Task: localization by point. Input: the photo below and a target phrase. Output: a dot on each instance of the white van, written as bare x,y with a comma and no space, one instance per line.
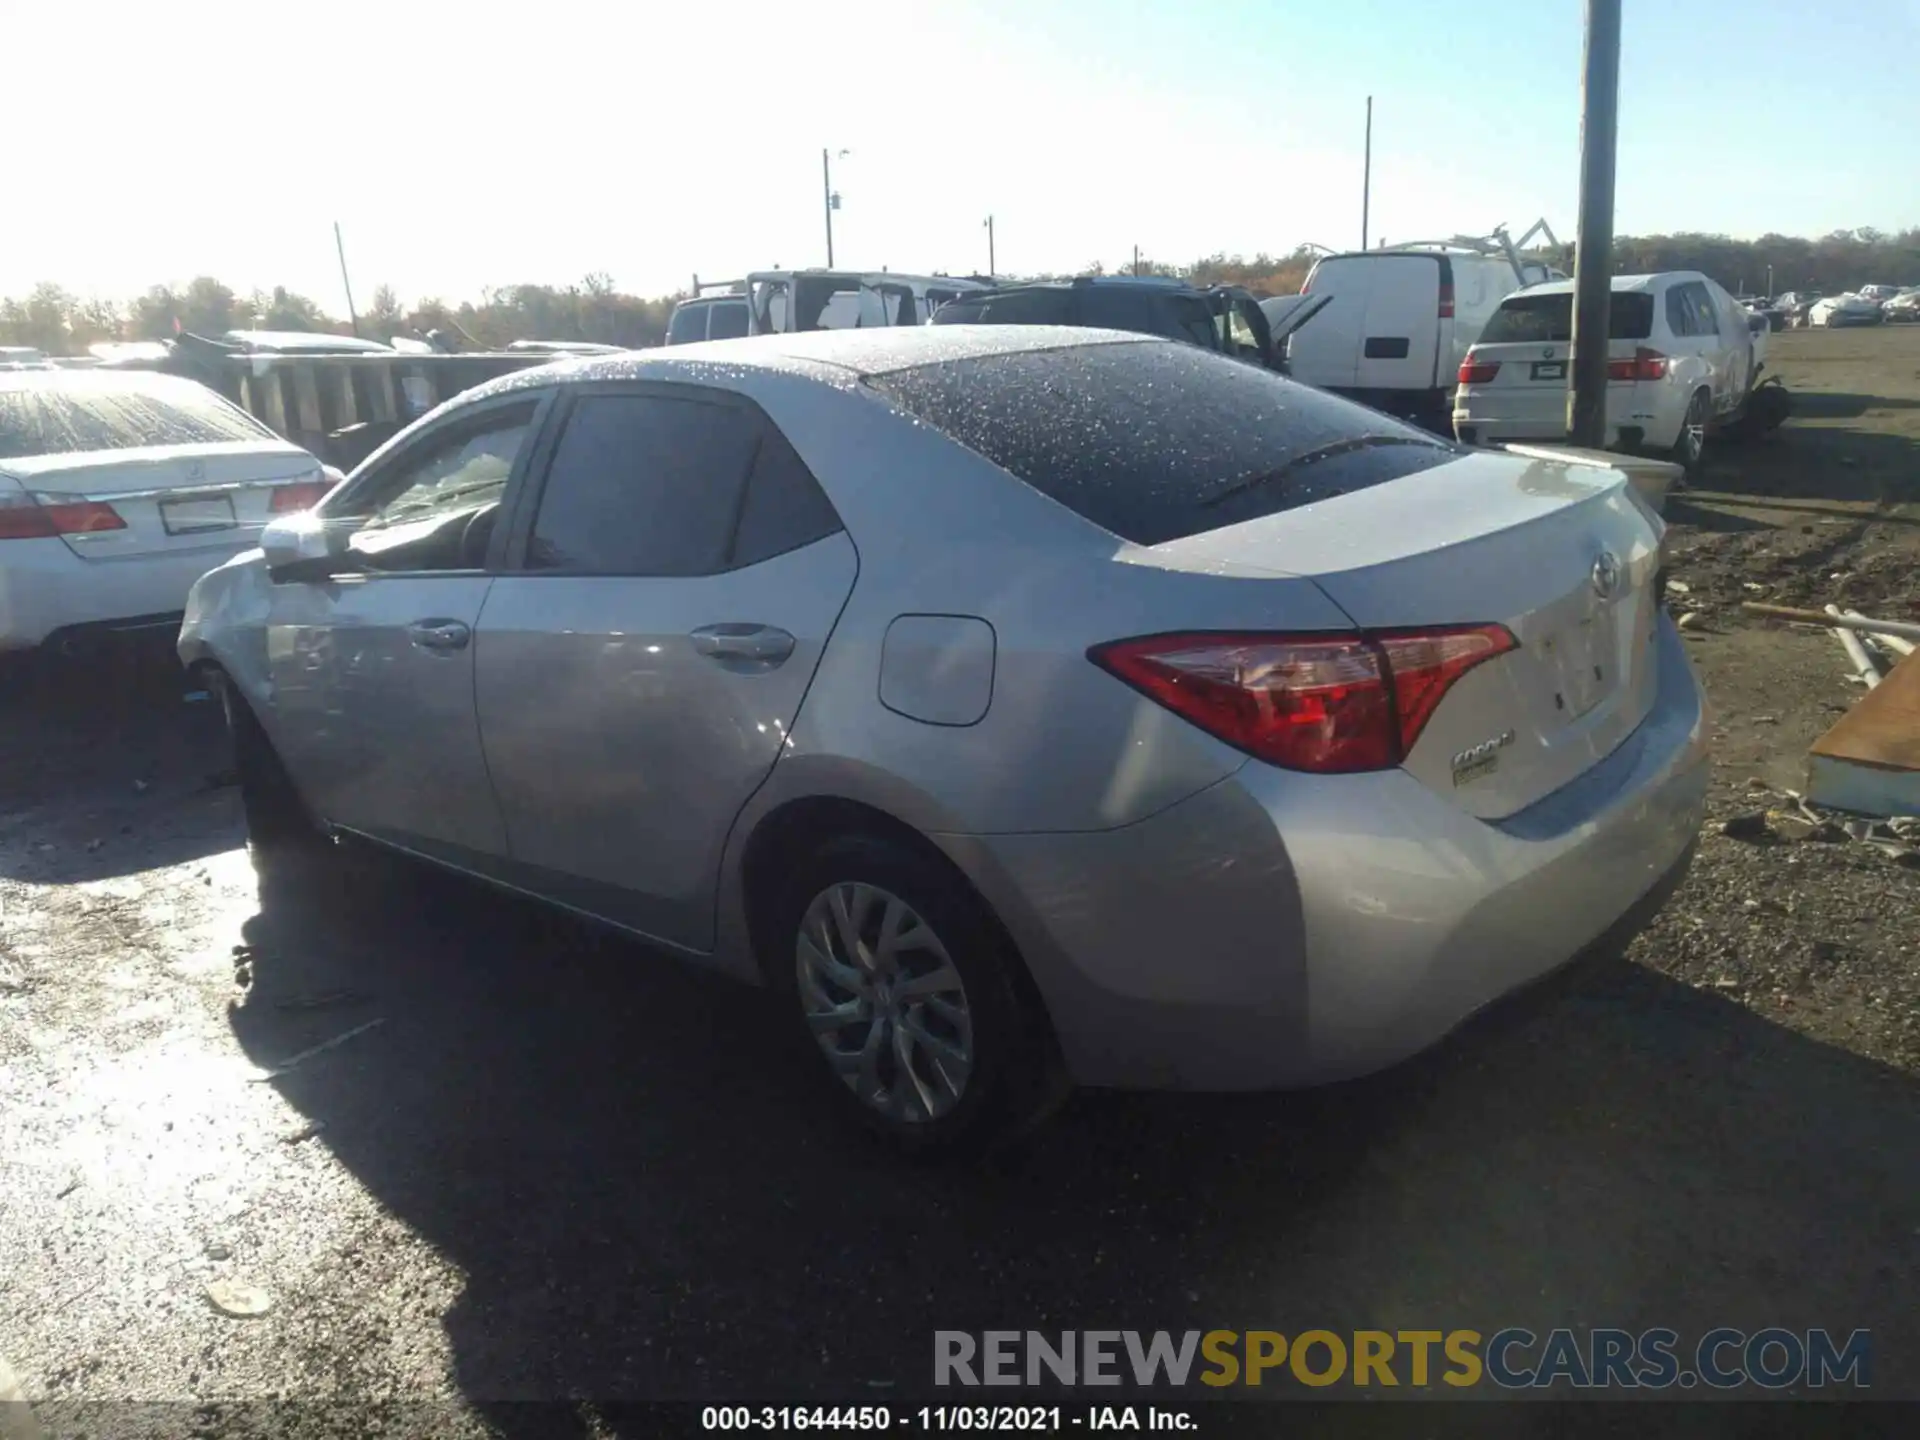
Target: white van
1400,323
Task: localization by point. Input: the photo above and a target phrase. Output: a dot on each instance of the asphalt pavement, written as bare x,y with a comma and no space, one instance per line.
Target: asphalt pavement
400,1140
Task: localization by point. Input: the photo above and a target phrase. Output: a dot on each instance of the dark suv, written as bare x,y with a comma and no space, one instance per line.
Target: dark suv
1225,318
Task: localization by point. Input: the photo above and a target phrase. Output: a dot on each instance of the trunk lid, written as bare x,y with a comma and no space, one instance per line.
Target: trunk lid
1514,540
171,498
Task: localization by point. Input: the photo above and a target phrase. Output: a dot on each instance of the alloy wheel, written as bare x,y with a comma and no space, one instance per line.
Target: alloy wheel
1695,432
884,1002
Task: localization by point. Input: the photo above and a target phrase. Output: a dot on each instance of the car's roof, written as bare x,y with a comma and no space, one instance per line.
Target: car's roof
859,353
1625,283
727,298
97,380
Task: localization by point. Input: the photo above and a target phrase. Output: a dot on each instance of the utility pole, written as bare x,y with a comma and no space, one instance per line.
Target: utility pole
1769,282
1366,176
1136,260
990,247
340,249
826,190
1593,252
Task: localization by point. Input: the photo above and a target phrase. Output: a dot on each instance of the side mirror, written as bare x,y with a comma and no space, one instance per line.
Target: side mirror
1756,323
300,547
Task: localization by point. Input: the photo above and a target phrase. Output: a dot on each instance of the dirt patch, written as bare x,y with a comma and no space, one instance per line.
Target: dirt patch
1819,935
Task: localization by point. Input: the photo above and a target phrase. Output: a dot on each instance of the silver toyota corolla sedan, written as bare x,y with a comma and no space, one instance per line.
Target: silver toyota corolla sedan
1023,705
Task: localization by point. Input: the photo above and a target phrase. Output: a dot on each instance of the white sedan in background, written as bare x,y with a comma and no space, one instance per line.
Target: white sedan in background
119,490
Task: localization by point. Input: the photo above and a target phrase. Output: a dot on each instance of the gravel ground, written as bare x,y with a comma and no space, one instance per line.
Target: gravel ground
544,1165
1817,935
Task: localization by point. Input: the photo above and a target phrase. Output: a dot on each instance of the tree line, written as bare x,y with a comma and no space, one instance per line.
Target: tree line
56,321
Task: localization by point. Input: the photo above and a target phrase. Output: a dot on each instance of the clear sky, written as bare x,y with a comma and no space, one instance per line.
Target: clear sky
491,143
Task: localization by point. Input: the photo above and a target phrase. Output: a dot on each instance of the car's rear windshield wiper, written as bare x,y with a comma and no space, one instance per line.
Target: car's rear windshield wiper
1308,457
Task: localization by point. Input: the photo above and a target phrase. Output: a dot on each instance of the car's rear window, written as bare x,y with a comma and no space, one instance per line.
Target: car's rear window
85,413
1527,319
729,321
689,323
1155,441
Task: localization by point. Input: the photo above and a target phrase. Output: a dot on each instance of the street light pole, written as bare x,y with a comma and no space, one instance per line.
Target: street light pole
1593,253
1366,176
989,247
826,192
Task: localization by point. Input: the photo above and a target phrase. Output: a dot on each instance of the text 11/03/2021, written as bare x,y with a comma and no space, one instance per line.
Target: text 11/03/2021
990,1419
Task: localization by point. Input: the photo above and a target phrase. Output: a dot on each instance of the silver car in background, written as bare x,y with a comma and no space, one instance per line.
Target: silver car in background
1021,704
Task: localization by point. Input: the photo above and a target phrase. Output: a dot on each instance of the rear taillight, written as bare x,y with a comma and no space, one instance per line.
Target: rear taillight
1478,372
22,517
1333,704
302,495
1446,299
1645,365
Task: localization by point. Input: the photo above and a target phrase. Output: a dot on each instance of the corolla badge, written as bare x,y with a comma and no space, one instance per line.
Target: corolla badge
1606,575
1480,760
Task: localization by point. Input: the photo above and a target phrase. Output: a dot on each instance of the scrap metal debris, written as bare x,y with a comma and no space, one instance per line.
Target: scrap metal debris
1797,819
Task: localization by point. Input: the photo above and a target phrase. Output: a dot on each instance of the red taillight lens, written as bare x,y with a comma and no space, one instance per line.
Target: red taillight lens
1332,704
1478,372
1446,299
1425,663
1645,365
24,518
301,496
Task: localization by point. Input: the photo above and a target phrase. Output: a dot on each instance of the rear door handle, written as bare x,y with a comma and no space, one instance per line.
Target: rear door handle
439,634
758,644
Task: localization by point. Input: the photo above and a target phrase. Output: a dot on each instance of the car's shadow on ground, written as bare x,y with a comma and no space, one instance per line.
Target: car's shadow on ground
1812,461
648,1201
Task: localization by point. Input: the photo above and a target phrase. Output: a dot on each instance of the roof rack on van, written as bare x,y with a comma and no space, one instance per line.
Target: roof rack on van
730,287
1497,245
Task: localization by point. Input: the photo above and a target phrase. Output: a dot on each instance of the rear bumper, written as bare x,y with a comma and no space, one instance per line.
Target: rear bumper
1638,415
46,590
1280,929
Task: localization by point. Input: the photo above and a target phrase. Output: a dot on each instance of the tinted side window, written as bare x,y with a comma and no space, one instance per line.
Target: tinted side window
728,321
1706,315
642,485
784,508
689,324
1117,308
1027,307
1680,318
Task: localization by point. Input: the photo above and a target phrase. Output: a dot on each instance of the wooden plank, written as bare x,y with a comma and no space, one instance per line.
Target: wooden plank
1871,755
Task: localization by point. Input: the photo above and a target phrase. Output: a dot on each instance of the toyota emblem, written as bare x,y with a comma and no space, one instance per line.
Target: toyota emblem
1606,575
1547,354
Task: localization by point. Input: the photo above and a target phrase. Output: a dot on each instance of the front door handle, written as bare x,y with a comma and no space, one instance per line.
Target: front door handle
758,644
439,634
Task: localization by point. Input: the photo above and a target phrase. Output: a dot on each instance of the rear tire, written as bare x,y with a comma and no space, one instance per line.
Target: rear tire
918,1019
1690,448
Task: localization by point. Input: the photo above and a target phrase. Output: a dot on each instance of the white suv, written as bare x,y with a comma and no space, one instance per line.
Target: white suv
1682,355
